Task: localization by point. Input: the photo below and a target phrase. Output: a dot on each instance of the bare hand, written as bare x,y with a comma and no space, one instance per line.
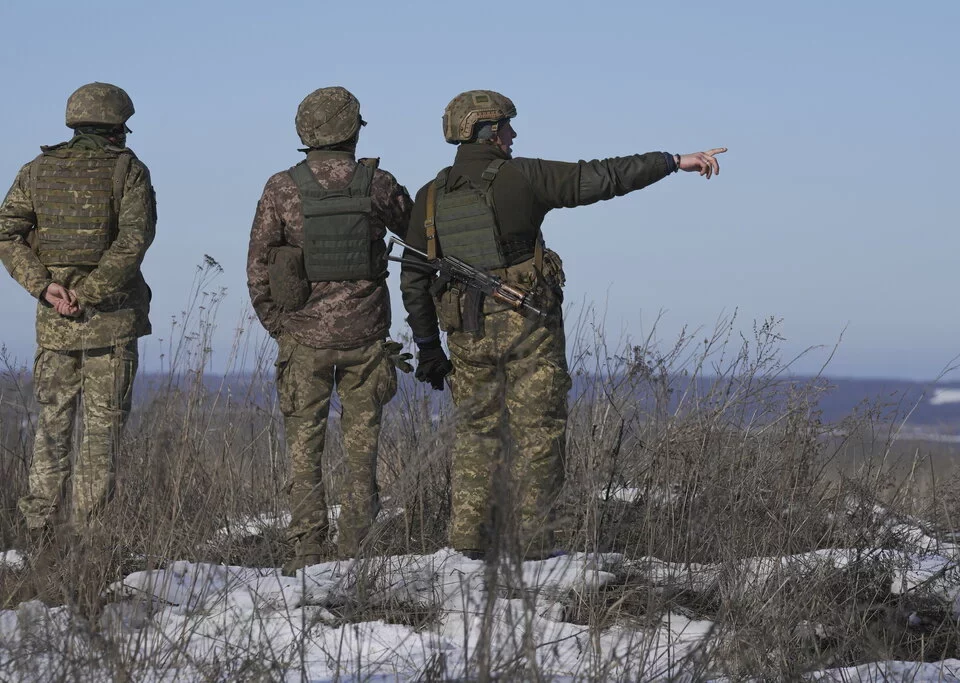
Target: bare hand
67,309
62,299
703,162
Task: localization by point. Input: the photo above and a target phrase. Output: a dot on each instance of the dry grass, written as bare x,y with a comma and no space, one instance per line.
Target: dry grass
725,457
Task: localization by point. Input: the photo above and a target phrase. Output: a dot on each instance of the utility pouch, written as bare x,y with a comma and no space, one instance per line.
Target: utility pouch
289,286
448,310
553,276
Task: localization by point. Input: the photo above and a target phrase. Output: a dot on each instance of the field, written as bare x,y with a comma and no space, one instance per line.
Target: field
716,530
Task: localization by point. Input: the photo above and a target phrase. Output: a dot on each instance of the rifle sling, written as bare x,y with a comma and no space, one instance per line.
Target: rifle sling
538,255
429,224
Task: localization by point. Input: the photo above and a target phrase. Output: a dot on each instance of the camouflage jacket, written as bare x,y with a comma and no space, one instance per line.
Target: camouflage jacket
523,192
114,296
337,315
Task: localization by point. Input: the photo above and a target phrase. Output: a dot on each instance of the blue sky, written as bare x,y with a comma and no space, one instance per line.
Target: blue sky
834,209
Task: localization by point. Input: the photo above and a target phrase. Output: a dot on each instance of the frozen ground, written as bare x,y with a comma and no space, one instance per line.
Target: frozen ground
12,560
395,618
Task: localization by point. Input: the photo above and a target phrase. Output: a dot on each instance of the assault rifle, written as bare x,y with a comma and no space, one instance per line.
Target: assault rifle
474,279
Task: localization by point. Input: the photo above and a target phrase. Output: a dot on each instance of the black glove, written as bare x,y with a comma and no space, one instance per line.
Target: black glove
432,365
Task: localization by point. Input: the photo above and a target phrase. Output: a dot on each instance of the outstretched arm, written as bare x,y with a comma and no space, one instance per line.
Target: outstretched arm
562,184
559,184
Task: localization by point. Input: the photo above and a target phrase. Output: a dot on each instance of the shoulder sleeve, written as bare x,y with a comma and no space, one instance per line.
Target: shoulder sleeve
266,233
17,224
392,202
417,276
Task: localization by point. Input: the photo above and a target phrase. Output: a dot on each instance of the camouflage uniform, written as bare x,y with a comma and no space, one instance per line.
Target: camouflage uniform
336,339
511,377
53,203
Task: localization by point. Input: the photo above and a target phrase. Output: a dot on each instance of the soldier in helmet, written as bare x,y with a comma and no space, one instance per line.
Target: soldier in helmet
316,271
74,229
487,209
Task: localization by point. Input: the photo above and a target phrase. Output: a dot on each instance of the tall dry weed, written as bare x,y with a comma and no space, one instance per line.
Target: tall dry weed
706,453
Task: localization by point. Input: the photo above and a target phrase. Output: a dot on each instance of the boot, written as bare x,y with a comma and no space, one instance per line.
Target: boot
46,562
307,552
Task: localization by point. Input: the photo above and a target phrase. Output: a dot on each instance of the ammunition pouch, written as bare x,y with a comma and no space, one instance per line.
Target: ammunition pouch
289,286
545,283
446,299
460,309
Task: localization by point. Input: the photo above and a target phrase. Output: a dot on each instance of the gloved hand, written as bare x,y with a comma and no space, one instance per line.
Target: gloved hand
432,365
398,359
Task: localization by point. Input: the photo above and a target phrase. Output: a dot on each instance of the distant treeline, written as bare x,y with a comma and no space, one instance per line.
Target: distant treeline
837,398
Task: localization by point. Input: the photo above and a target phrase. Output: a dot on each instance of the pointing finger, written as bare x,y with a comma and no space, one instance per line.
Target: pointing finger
716,150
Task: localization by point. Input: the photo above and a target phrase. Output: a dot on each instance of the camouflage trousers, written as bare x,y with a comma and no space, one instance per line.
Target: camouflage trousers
510,388
101,382
365,380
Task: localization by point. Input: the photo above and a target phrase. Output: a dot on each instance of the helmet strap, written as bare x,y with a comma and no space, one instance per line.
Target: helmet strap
344,146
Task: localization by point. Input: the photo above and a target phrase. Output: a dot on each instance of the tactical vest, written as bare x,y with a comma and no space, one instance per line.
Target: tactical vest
464,221
76,197
338,242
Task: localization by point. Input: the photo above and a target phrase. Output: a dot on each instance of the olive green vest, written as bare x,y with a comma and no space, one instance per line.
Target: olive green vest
466,224
76,196
338,242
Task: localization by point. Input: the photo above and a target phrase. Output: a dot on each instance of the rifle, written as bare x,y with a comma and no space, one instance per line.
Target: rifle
475,279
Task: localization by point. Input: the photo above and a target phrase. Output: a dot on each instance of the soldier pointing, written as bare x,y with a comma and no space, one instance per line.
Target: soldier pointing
487,209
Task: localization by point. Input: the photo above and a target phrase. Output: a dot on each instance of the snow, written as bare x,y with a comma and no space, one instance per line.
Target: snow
187,619
199,621
632,494
256,525
944,396
947,670
11,559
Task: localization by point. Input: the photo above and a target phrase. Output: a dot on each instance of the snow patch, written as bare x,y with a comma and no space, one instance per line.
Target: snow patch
198,621
945,396
12,559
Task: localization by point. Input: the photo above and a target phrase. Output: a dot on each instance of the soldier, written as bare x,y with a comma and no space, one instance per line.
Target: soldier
316,270
74,229
487,209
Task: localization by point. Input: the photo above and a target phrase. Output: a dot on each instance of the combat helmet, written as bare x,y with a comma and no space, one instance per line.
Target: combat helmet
472,108
328,116
99,104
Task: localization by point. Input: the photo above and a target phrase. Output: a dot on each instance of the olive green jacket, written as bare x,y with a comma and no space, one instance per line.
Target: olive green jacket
113,294
523,191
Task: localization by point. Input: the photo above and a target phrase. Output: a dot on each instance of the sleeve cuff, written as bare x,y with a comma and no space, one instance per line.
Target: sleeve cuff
82,299
671,162
427,343
41,289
